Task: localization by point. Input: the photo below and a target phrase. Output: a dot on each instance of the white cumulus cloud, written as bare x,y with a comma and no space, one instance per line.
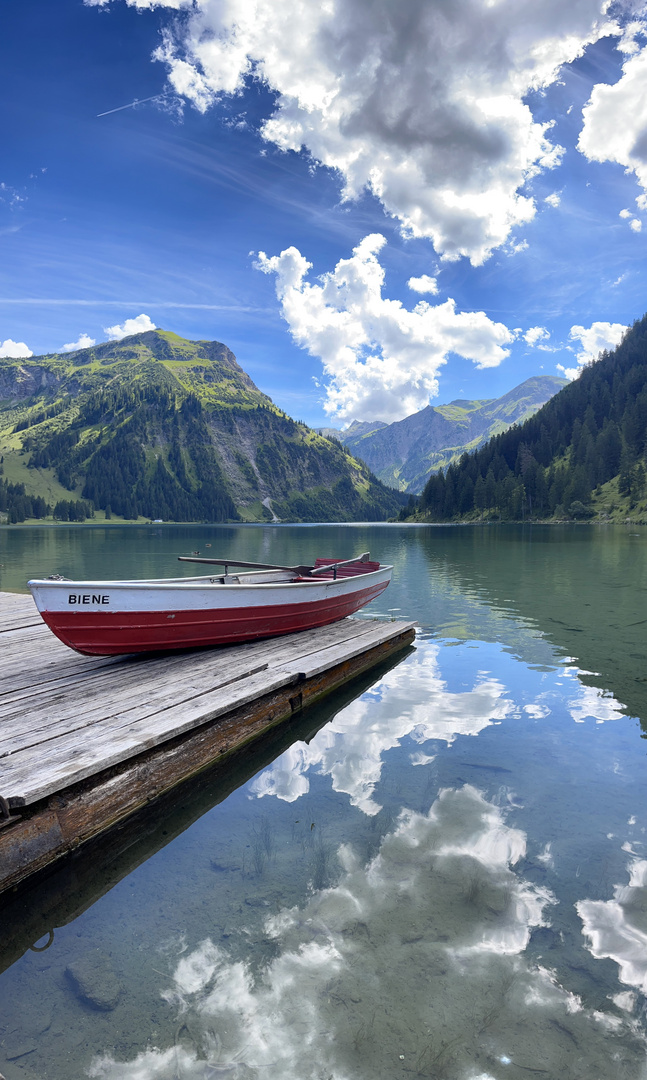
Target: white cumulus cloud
615,120
423,104
593,340
129,326
535,335
84,342
381,359
569,372
424,284
15,349
554,199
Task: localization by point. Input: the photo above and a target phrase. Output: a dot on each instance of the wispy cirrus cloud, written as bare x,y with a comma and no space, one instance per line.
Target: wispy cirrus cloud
10,195
34,301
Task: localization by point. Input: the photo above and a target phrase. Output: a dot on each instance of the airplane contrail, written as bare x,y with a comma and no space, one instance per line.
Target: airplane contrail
131,105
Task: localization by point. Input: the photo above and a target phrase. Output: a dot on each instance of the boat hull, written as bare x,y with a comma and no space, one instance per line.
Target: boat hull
111,618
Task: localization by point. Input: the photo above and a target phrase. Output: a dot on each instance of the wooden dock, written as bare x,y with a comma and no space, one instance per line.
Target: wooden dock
87,741
33,910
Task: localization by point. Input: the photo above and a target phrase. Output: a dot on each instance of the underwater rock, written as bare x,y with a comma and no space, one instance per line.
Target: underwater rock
222,867
17,1047
95,981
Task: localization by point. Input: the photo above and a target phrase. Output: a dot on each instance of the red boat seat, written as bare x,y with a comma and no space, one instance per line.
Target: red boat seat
346,571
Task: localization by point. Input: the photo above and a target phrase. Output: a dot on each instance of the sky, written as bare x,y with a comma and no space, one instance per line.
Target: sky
375,205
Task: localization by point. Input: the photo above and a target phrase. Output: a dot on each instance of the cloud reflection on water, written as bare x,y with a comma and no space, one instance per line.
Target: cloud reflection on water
597,704
410,700
618,928
412,963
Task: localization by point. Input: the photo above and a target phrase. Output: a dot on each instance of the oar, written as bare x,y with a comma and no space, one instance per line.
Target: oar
301,570
248,565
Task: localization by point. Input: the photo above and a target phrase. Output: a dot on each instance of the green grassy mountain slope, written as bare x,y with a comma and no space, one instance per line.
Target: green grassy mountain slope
156,426
404,454
582,456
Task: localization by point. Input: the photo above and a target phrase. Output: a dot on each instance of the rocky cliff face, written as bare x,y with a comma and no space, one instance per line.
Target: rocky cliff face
18,382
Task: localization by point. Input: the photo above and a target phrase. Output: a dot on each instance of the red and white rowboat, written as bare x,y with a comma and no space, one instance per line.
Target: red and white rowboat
105,618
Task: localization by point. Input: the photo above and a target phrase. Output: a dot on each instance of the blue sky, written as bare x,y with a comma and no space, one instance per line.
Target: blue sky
467,185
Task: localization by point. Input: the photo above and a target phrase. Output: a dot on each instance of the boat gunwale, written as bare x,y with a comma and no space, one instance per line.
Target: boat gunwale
208,581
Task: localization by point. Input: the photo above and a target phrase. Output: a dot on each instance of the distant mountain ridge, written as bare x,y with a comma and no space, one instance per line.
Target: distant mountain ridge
404,454
158,426
582,455
356,430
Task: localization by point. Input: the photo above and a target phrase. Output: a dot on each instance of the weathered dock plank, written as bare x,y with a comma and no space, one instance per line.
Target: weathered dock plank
17,611
84,741
150,701
208,693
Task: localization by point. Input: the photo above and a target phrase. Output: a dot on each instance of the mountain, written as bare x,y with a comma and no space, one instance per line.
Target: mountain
156,426
404,454
581,455
359,428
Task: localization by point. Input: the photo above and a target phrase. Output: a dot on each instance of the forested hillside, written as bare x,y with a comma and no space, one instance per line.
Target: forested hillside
158,427
581,455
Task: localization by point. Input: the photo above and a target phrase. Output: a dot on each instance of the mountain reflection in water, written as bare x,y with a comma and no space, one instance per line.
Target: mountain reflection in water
582,589
448,879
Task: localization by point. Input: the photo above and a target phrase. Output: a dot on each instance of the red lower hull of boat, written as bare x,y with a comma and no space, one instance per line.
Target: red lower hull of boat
112,633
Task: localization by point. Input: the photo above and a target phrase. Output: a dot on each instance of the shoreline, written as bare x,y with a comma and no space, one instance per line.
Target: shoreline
44,524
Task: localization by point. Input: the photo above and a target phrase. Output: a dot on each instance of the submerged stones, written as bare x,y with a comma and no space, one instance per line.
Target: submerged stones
21,1031
18,1047
94,980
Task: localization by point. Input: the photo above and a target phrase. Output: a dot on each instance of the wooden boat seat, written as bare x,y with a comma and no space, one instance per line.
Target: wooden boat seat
346,571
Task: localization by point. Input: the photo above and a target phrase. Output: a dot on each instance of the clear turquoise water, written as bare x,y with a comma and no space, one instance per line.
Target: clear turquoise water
449,879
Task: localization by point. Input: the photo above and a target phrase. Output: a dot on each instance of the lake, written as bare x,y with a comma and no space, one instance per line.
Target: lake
443,875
